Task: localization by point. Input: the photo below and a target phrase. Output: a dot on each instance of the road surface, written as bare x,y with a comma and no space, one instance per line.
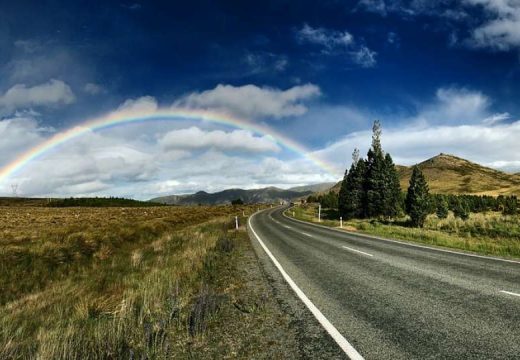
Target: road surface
390,300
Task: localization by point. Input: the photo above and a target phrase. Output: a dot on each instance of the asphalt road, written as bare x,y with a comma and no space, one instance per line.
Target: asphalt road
390,300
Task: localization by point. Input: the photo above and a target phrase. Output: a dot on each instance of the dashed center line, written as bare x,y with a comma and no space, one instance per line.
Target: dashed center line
509,293
306,234
287,227
358,251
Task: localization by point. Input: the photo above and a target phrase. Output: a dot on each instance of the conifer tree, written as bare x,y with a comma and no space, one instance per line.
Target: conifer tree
392,189
460,208
352,193
375,180
442,208
417,198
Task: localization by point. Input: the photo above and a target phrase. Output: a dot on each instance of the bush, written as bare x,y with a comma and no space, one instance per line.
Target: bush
442,209
510,206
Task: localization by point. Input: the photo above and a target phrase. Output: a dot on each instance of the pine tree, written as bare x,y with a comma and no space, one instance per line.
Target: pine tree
442,208
510,206
352,193
392,189
417,198
375,181
460,208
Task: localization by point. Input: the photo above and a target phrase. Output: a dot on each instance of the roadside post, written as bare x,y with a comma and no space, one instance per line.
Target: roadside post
319,212
236,222
341,222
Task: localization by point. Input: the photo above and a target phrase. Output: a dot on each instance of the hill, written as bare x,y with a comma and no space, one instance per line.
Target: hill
449,174
314,187
265,195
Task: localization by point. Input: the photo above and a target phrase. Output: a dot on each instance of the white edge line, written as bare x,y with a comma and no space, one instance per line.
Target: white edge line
327,325
400,242
359,251
509,293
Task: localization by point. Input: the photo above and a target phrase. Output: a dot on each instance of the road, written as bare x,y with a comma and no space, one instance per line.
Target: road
391,300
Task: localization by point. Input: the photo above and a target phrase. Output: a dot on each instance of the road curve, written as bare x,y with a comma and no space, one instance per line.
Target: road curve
395,301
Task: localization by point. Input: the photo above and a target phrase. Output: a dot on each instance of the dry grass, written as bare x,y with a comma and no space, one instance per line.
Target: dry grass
111,282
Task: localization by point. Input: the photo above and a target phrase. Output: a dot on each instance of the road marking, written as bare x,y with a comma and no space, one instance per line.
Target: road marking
327,325
287,227
509,293
306,234
345,232
358,251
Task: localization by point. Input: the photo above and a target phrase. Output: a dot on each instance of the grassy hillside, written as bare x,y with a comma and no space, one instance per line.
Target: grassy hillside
448,174
134,283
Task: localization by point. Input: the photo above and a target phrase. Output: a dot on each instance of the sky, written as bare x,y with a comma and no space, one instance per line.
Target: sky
441,76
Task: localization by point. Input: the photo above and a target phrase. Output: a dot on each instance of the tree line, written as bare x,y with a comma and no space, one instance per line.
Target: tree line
370,188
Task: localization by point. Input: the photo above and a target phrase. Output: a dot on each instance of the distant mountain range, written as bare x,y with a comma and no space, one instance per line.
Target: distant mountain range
265,195
449,174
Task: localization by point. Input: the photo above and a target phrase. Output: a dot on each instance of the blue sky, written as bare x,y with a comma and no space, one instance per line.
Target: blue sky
442,76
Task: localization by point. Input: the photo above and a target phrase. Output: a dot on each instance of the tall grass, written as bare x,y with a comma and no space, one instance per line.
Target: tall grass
109,283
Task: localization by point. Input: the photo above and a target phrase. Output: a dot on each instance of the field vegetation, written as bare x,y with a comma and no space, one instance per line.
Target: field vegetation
491,232
134,283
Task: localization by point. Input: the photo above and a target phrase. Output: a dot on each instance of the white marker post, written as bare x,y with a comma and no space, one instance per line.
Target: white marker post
293,214
236,222
319,212
341,222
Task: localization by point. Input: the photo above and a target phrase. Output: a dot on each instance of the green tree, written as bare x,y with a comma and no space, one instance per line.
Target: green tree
417,198
392,189
375,180
510,205
237,202
460,208
351,194
442,208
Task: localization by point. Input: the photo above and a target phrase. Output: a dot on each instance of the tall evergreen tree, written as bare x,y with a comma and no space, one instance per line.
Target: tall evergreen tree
392,189
352,193
375,181
417,198
442,208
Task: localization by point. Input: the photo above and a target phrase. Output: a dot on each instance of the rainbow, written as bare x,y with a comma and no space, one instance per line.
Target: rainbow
122,118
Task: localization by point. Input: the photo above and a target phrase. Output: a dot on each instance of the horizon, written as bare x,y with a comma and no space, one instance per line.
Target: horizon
304,80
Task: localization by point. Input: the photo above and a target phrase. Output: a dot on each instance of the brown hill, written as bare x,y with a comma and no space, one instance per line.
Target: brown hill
448,174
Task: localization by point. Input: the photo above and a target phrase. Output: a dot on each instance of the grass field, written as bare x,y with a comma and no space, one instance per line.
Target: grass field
490,233
135,283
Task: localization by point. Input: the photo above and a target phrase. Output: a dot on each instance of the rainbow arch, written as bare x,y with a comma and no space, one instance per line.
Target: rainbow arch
122,118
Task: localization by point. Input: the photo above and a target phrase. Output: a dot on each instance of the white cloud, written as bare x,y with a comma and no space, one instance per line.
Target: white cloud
16,134
364,57
334,42
408,145
502,30
460,104
251,101
94,89
54,92
144,104
328,38
496,118
195,138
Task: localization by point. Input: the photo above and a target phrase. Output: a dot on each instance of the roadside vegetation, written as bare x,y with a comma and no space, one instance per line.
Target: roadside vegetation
370,200
134,283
